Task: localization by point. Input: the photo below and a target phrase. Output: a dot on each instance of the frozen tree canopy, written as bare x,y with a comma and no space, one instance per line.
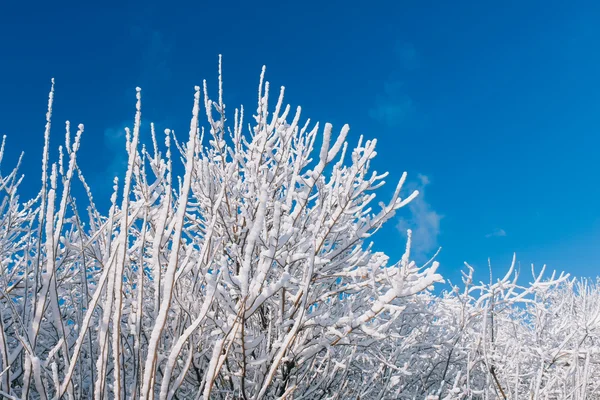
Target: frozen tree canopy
253,276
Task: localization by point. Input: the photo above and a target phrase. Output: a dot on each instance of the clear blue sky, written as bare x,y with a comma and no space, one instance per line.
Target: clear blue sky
492,107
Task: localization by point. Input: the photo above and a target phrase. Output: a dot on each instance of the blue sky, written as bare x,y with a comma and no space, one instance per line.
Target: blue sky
492,107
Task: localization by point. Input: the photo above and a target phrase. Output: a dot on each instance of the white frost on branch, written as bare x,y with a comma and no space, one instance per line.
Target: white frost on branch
253,277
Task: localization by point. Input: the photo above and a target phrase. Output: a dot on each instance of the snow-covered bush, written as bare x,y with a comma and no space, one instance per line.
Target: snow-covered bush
252,277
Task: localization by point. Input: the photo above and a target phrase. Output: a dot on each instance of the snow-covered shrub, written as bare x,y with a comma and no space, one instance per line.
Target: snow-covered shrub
241,279
252,277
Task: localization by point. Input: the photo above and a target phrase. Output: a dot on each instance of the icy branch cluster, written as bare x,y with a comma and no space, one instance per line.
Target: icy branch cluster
252,277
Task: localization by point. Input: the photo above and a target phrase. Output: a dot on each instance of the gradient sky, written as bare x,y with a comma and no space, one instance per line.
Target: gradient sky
492,107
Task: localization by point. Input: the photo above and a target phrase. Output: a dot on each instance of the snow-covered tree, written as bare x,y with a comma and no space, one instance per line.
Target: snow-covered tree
253,276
